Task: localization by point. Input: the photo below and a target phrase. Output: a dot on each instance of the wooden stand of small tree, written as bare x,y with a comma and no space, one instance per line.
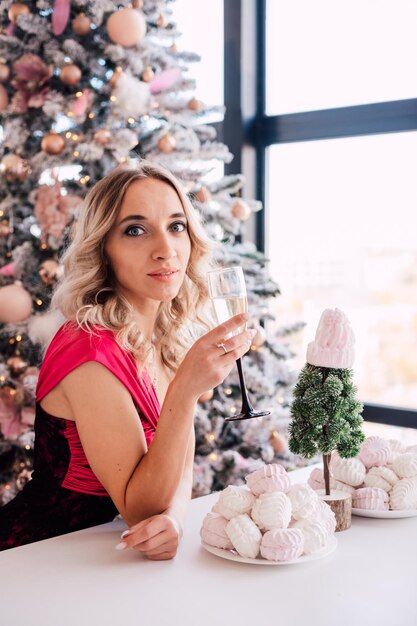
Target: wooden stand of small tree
326,416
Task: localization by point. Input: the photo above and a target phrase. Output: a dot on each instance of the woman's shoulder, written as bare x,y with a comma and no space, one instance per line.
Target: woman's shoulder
70,332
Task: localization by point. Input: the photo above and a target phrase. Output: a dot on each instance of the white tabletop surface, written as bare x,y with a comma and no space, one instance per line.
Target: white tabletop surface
79,579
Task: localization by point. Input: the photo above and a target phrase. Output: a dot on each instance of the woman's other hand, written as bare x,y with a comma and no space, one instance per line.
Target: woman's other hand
157,537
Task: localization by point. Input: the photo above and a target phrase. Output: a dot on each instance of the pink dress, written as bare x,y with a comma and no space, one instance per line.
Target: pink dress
64,494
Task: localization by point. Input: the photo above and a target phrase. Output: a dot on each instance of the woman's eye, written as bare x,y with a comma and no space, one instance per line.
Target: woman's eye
134,231
179,227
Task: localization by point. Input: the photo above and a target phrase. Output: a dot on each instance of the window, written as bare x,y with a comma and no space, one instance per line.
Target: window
327,54
346,207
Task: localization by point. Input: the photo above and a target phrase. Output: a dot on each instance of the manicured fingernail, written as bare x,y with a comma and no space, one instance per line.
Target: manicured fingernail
122,545
245,316
125,534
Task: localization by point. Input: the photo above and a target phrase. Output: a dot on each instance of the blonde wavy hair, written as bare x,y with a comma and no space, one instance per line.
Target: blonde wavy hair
88,292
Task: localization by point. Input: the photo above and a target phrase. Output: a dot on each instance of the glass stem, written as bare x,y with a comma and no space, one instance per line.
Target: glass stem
246,405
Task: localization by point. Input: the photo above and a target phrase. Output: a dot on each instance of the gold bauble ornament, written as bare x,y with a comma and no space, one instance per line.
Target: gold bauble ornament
241,210
4,73
202,195
5,229
16,9
195,105
173,48
278,442
52,143
17,365
13,167
81,25
126,27
147,74
70,74
4,98
48,271
206,396
167,143
102,135
260,337
162,21
115,77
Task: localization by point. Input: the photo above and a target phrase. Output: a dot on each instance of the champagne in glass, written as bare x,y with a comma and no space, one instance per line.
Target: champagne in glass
227,290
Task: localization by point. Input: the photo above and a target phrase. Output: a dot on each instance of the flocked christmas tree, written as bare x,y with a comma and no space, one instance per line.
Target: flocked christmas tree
326,415
84,86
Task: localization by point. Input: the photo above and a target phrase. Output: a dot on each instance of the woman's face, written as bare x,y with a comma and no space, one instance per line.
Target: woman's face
149,246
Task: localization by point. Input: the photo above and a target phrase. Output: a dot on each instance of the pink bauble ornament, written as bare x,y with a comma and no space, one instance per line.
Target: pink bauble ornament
126,27
15,303
4,98
4,73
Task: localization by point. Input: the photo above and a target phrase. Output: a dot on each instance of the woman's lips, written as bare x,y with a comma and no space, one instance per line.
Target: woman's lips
164,277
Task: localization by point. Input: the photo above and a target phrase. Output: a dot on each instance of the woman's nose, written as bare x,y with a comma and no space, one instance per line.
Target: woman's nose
164,248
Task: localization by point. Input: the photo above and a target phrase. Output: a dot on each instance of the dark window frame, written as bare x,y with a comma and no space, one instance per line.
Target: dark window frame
247,126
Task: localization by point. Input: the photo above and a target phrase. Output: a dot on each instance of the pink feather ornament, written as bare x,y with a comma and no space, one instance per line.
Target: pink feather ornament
60,16
8,270
165,80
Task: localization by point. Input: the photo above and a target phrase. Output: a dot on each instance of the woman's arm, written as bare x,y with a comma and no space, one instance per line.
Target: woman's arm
158,537
142,482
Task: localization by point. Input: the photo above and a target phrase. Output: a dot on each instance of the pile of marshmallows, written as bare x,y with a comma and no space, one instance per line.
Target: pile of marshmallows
269,517
382,477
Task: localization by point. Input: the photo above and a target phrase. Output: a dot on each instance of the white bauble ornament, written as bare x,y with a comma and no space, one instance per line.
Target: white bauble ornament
42,327
132,96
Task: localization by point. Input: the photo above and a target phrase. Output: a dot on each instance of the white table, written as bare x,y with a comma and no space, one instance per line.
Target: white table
79,579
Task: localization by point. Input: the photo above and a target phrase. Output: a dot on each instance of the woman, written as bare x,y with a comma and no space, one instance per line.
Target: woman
116,395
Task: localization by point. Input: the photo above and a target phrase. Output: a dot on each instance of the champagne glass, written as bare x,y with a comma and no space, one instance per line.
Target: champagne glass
227,290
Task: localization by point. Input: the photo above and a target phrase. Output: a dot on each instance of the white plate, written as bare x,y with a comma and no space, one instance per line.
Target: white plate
385,514
232,555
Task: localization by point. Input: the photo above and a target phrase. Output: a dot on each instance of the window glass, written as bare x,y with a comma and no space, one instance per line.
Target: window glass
342,221
327,54
202,32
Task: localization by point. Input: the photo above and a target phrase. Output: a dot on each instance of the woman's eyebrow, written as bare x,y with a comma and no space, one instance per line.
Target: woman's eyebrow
142,218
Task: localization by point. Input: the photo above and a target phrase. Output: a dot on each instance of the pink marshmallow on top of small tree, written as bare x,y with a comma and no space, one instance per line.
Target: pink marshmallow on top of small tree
326,415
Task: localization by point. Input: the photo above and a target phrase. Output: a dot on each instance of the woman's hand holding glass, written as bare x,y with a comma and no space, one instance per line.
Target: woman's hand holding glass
212,357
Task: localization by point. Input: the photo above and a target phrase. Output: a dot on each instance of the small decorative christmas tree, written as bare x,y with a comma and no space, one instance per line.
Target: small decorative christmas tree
326,414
